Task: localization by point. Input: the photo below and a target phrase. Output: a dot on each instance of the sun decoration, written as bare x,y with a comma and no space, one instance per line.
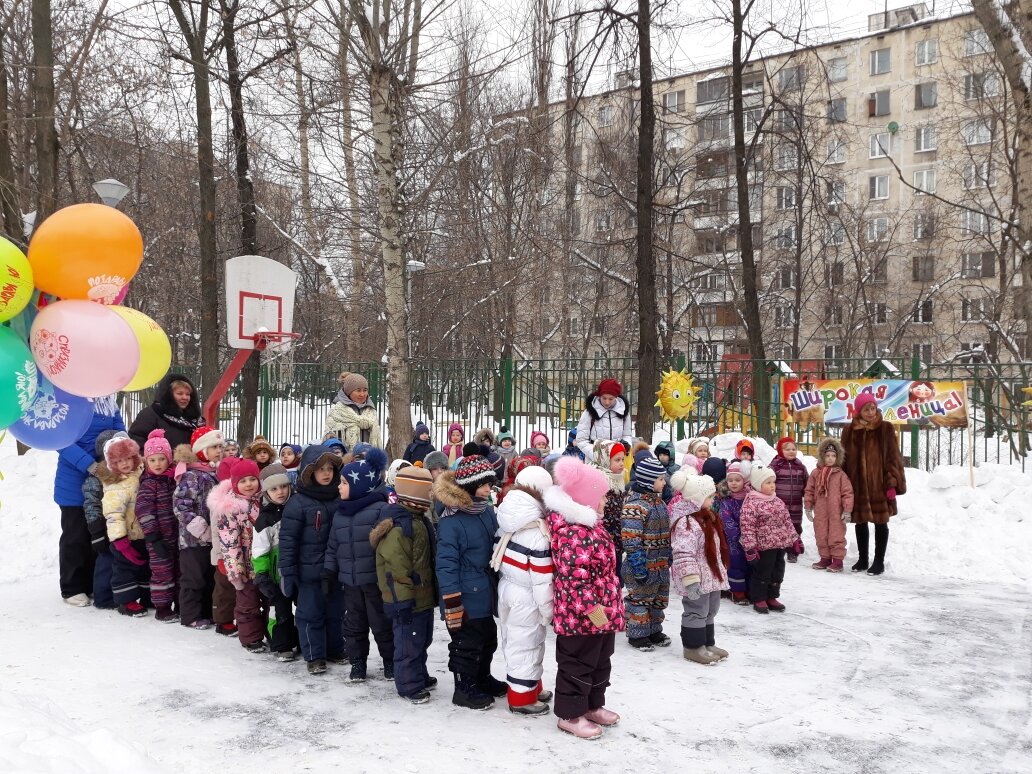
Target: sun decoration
677,395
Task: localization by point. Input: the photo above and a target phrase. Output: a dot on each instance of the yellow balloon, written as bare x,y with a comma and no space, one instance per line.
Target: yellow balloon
15,280
155,349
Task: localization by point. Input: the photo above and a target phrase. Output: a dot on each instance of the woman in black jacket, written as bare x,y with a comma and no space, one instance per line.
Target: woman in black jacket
176,410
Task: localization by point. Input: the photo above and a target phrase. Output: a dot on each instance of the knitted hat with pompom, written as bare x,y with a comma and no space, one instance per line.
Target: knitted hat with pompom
584,484
157,444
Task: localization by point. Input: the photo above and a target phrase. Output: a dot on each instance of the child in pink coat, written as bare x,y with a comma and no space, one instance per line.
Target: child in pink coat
829,504
767,533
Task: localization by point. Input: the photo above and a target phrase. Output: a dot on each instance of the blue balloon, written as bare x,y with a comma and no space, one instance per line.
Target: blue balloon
54,420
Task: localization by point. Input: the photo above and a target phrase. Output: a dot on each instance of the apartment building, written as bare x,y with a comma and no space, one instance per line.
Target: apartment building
880,181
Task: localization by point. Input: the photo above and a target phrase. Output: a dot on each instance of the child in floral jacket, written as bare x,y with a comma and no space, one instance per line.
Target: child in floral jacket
767,532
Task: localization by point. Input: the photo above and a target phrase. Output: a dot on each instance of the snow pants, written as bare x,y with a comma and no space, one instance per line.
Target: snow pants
75,552
584,666
281,628
164,573
250,617
195,584
102,596
223,599
697,619
411,642
319,622
522,628
645,602
472,648
767,574
830,534
130,582
363,612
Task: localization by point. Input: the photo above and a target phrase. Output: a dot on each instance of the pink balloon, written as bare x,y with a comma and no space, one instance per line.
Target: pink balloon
84,348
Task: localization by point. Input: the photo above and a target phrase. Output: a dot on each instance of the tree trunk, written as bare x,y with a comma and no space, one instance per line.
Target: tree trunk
385,107
645,263
9,208
251,372
750,273
44,109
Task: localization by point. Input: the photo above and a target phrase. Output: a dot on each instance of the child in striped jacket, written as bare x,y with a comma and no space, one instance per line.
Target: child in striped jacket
159,524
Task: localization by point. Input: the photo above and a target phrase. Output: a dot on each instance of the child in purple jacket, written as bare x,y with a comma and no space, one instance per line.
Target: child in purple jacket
791,484
160,526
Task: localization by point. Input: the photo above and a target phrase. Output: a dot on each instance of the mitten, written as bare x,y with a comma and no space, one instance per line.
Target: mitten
597,615
847,517
890,493
797,547
92,469
159,548
752,556
639,568
125,548
199,528
266,587
326,584
809,514
238,583
98,537
289,587
453,610
692,591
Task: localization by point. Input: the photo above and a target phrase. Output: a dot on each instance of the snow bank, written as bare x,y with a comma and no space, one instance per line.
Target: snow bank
29,520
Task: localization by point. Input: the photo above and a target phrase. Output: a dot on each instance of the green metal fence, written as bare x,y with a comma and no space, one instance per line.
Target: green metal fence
548,395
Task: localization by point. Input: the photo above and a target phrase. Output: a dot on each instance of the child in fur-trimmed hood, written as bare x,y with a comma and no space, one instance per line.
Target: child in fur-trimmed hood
828,500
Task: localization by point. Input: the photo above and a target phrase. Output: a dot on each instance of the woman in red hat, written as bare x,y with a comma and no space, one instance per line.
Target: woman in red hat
607,417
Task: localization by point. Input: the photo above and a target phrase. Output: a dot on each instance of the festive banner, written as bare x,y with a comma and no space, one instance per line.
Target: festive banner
903,402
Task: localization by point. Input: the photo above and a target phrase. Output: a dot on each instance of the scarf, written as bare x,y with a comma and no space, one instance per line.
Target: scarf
322,492
351,507
863,424
823,476
741,495
477,507
762,496
713,529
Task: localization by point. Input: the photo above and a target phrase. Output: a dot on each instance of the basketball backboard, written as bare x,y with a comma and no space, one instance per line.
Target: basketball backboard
259,299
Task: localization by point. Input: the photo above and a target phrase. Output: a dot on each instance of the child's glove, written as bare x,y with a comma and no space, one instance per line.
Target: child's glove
238,583
597,615
98,536
639,568
289,587
199,528
692,591
125,548
326,584
159,548
797,547
752,556
453,610
809,514
266,587
847,517
890,493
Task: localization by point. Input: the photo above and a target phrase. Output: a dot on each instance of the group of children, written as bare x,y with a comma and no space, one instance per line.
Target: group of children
314,552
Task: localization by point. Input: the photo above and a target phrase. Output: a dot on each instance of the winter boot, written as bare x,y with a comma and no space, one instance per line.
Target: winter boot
545,696
227,630
493,687
700,656
659,639
644,644
468,695
132,609
602,717
536,708
286,655
863,539
166,615
419,697
388,670
740,598
713,649
581,727
823,564
761,607
358,672
77,600
317,667
431,683
791,558
200,623
256,647
777,607
340,659
881,542
835,566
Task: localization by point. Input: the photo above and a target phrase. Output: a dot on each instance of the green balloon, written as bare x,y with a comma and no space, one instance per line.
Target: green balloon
18,378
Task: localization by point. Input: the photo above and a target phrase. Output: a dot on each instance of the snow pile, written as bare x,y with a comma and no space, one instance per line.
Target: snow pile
37,736
29,520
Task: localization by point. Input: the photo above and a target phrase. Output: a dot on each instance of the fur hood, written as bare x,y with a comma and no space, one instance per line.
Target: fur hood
595,408
831,443
450,494
380,531
222,500
184,453
521,506
574,513
164,403
484,437
105,474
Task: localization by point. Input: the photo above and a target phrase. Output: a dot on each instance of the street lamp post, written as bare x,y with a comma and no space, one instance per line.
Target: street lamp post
111,191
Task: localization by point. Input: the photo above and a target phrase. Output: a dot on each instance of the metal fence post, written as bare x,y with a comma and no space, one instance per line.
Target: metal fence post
263,396
507,388
680,364
915,432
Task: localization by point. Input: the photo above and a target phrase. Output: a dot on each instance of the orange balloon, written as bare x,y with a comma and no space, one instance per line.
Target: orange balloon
87,251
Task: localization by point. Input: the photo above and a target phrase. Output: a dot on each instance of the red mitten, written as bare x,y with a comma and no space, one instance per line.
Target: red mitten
125,548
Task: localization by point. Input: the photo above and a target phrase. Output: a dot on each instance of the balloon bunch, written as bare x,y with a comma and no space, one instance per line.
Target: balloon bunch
63,338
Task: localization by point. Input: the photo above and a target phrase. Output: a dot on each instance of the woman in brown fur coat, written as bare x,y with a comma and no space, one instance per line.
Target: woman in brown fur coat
875,469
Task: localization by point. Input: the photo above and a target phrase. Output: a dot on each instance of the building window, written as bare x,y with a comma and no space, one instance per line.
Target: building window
878,313
977,175
973,310
836,233
979,85
877,229
575,222
704,353
837,151
837,69
603,221
785,198
974,222
923,352
710,281
833,315
836,192
785,279
835,274
837,110
606,114
977,131
752,119
785,238
924,181
714,127
673,101
673,139
926,95
786,157
785,316
878,187
712,90
924,225
978,265
923,269
880,144
925,139
706,315
923,311
881,61
833,351
878,103
791,78
716,165
879,271
573,326
927,52
976,42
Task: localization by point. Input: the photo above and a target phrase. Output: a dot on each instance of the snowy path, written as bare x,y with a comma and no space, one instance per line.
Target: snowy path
861,675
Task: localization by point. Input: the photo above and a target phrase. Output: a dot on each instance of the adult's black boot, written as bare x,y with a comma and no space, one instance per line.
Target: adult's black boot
881,542
863,539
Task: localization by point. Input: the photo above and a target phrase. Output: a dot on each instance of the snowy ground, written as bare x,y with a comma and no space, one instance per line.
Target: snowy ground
928,668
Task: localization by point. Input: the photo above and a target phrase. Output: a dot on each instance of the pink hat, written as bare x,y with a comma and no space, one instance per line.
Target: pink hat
243,469
862,400
538,435
156,444
736,468
583,483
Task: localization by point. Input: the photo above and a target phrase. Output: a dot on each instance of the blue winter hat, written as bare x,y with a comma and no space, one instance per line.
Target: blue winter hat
362,478
646,471
335,443
361,448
